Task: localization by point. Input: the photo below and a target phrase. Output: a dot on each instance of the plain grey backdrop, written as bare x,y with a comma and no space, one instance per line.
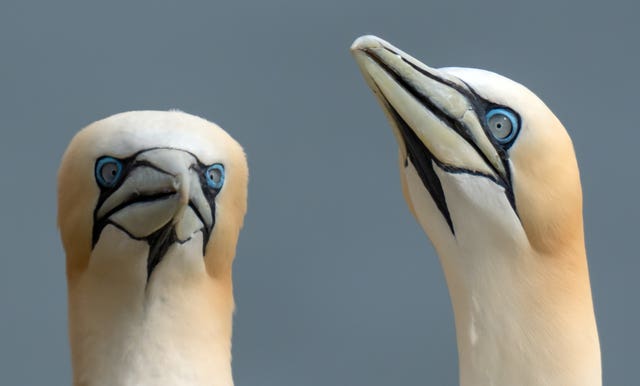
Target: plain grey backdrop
335,282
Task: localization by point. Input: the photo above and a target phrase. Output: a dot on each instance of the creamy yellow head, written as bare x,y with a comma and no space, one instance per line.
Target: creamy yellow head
446,111
170,133
490,174
150,205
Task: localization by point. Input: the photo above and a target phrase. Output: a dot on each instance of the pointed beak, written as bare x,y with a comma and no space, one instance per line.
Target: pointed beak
158,199
431,107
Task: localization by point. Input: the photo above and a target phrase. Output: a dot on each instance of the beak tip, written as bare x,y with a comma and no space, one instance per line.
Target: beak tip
366,42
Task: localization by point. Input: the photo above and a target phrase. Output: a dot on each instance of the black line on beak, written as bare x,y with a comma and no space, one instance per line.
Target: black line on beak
479,105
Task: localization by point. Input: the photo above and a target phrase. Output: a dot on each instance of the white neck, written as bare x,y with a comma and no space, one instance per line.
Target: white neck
518,323
521,318
175,330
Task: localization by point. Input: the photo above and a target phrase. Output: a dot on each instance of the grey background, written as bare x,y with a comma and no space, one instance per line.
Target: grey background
335,282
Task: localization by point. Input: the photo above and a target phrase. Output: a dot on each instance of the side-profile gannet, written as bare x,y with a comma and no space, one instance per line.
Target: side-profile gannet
150,205
490,174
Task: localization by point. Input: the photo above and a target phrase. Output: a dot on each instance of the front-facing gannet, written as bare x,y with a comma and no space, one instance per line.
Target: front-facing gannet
490,174
150,205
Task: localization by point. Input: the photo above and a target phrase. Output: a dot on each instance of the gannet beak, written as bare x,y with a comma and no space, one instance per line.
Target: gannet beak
156,196
436,117
438,108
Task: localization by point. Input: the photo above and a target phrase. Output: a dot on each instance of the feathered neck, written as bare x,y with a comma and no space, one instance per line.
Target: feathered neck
173,330
522,317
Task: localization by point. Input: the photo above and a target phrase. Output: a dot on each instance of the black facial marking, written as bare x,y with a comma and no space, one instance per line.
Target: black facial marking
161,240
422,159
419,154
210,195
480,106
159,243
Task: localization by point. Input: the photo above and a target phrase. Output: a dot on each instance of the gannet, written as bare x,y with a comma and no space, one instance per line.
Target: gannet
150,205
490,174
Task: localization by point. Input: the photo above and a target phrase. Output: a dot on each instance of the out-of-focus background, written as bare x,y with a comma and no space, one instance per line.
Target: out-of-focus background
335,282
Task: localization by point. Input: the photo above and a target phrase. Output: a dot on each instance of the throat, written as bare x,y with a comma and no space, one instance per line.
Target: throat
174,329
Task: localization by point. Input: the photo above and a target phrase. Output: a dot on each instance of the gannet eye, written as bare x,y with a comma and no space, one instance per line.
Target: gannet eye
215,176
108,170
502,124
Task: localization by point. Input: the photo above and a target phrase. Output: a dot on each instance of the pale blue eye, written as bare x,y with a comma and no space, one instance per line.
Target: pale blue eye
503,125
215,176
108,171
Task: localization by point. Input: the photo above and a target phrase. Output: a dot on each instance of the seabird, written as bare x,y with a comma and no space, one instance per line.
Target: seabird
490,174
150,205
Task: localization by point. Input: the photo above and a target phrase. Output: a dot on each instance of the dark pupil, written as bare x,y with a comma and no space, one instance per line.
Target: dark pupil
214,175
109,171
500,126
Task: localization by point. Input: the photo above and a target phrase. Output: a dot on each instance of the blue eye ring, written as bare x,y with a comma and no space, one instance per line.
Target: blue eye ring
210,175
515,126
108,178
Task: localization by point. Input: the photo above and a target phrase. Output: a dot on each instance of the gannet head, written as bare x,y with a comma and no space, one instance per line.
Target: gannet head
483,161
138,186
